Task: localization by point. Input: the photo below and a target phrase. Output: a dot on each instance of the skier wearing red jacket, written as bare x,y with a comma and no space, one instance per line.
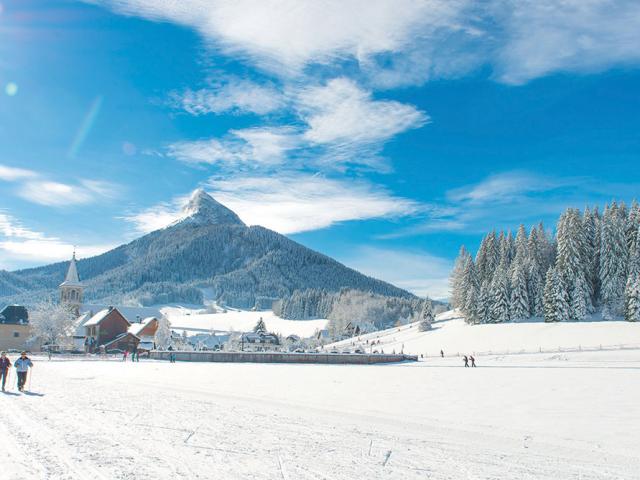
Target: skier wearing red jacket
5,364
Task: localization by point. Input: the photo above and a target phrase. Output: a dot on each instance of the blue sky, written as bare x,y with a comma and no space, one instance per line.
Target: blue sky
385,134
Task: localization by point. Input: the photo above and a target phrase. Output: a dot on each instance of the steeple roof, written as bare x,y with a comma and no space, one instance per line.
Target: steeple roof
72,279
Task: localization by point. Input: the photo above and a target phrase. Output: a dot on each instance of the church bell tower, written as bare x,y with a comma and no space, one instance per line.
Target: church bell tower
72,290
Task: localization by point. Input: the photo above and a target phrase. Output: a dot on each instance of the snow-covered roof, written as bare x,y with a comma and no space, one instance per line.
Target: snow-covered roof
78,325
120,337
136,328
130,313
98,317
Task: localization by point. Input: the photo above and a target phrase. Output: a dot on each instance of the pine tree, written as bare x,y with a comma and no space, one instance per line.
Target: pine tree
426,317
549,296
500,297
632,288
483,312
613,258
487,258
458,293
260,326
519,304
578,299
535,284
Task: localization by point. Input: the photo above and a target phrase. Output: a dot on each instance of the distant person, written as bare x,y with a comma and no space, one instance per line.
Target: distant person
124,355
473,360
22,368
5,365
466,361
441,353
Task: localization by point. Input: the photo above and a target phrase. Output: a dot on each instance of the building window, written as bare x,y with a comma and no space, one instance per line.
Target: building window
16,334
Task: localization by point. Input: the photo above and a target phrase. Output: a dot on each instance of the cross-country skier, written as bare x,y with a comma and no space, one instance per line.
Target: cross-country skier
5,365
473,360
441,353
22,368
466,361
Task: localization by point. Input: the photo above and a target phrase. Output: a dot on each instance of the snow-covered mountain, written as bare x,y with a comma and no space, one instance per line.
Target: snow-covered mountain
210,248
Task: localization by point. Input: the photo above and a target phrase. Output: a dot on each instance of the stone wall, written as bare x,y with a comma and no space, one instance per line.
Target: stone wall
278,357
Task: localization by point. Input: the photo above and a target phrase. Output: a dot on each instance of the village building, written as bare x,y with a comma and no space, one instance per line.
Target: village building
145,330
259,341
15,331
72,289
104,327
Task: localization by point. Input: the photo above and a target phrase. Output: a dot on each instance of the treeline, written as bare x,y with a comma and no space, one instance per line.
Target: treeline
592,264
366,310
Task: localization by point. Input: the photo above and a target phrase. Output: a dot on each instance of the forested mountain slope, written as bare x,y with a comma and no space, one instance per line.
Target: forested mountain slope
210,247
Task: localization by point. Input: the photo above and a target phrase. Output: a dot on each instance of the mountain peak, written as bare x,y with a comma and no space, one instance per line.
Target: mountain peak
203,209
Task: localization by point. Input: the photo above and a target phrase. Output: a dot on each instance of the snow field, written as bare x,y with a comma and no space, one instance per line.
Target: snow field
568,416
451,334
193,320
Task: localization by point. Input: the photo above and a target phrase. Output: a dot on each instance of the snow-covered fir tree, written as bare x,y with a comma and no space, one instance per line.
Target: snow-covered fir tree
500,297
588,266
426,317
519,302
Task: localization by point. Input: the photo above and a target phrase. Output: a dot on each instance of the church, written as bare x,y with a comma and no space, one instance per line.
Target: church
107,328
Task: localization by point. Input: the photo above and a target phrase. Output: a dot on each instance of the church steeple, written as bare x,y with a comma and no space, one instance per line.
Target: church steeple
72,289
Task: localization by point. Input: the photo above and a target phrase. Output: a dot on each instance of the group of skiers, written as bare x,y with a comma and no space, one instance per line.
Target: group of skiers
469,359
21,365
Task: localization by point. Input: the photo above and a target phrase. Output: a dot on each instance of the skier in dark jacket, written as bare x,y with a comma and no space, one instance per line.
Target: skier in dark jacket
22,368
5,365
466,361
442,353
473,360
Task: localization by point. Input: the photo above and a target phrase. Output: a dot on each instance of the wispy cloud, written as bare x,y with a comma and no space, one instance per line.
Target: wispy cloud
288,202
338,123
19,244
35,187
406,41
235,95
55,194
11,174
342,112
251,146
507,199
414,270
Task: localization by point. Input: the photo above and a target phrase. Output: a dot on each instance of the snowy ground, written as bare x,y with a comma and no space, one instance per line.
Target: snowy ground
545,416
197,320
451,334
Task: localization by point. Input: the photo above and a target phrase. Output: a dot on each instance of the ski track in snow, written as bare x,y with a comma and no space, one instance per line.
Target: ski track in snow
116,420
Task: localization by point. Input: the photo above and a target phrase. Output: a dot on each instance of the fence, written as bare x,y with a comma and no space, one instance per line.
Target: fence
559,349
278,357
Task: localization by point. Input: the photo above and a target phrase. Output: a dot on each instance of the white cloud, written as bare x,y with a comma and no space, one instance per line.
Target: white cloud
19,244
287,203
340,111
235,96
292,203
56,194
408,42
158,216
286,36
416,271
250,146
342,124
11,174
504,187
544,36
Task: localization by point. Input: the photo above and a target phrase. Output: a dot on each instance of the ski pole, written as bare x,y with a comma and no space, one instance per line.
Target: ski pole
30,376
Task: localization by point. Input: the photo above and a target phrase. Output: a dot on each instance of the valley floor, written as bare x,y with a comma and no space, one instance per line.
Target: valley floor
544,416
